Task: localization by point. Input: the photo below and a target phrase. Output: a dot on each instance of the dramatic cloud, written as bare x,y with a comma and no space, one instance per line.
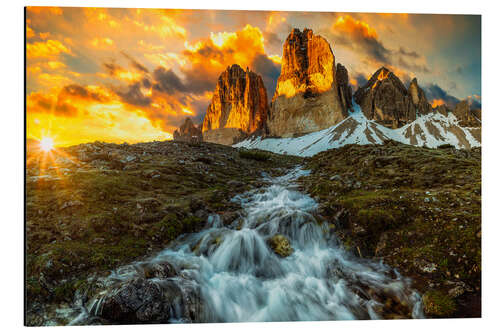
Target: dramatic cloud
269,70
360,36
134,95
437,95
167,81
364,40
211,56
135,64
48,49
133,74
82,93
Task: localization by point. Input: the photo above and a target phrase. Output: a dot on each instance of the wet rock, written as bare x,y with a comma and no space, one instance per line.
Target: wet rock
159,270
147,301
228,217
280,245
136,301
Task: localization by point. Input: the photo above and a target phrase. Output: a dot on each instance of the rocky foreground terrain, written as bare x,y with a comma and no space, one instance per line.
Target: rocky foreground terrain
97,206
417,209
93,207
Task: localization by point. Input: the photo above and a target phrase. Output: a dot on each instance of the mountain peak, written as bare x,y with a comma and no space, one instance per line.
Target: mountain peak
385,99
306,97
188,131
239,102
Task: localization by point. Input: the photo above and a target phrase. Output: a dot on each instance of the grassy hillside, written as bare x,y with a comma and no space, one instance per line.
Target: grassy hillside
418,209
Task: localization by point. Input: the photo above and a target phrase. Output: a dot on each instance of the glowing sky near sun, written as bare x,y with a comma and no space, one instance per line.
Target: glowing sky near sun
134,74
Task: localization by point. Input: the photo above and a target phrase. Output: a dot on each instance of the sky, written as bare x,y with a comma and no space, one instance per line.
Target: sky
131,75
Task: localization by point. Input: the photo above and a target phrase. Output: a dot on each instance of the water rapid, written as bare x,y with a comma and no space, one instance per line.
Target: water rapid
229,273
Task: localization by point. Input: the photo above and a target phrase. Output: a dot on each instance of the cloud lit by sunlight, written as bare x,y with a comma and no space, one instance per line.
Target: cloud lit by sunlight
117,74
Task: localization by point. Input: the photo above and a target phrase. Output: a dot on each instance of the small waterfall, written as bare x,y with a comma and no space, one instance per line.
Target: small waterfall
230,273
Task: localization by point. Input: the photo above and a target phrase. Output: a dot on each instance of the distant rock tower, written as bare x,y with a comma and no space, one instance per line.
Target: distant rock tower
188,132
385,99
239,106
307,93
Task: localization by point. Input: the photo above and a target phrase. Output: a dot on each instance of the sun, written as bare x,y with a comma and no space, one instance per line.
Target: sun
47,144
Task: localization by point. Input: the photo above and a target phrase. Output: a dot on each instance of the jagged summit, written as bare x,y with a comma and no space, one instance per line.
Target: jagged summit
239,106
306,97
385,99
188,131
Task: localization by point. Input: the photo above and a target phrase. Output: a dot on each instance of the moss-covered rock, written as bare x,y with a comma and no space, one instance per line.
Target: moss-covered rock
280,245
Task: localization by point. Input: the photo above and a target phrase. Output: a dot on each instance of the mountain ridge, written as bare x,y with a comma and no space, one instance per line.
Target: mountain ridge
313,97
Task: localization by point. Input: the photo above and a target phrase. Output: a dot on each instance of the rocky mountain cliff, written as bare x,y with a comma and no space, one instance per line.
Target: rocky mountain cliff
239,103
385,99
188,132
466,116
344,89
307,96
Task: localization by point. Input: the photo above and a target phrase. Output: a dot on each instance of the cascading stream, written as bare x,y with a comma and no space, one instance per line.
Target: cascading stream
231,274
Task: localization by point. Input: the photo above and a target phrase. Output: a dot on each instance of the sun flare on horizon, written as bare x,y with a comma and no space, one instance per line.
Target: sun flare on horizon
47,144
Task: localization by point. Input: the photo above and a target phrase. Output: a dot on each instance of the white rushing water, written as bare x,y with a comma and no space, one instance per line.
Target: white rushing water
239,277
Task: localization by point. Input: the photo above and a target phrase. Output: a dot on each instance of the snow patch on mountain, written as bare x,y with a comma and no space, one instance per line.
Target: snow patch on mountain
431,130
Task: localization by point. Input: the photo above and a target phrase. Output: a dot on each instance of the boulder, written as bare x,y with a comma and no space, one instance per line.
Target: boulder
150,301
280,245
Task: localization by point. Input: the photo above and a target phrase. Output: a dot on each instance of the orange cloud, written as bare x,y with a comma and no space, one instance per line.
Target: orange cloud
223,49
275,58
102,43
100,15
70,101
437,102
274,19
166,27
56,64
348,24
40,10
29,32
48,49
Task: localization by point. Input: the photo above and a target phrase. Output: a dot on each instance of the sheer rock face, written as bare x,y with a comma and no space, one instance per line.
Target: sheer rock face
385,99
418,98
442,109
466,116
188,132
239,103
306,97
344,89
